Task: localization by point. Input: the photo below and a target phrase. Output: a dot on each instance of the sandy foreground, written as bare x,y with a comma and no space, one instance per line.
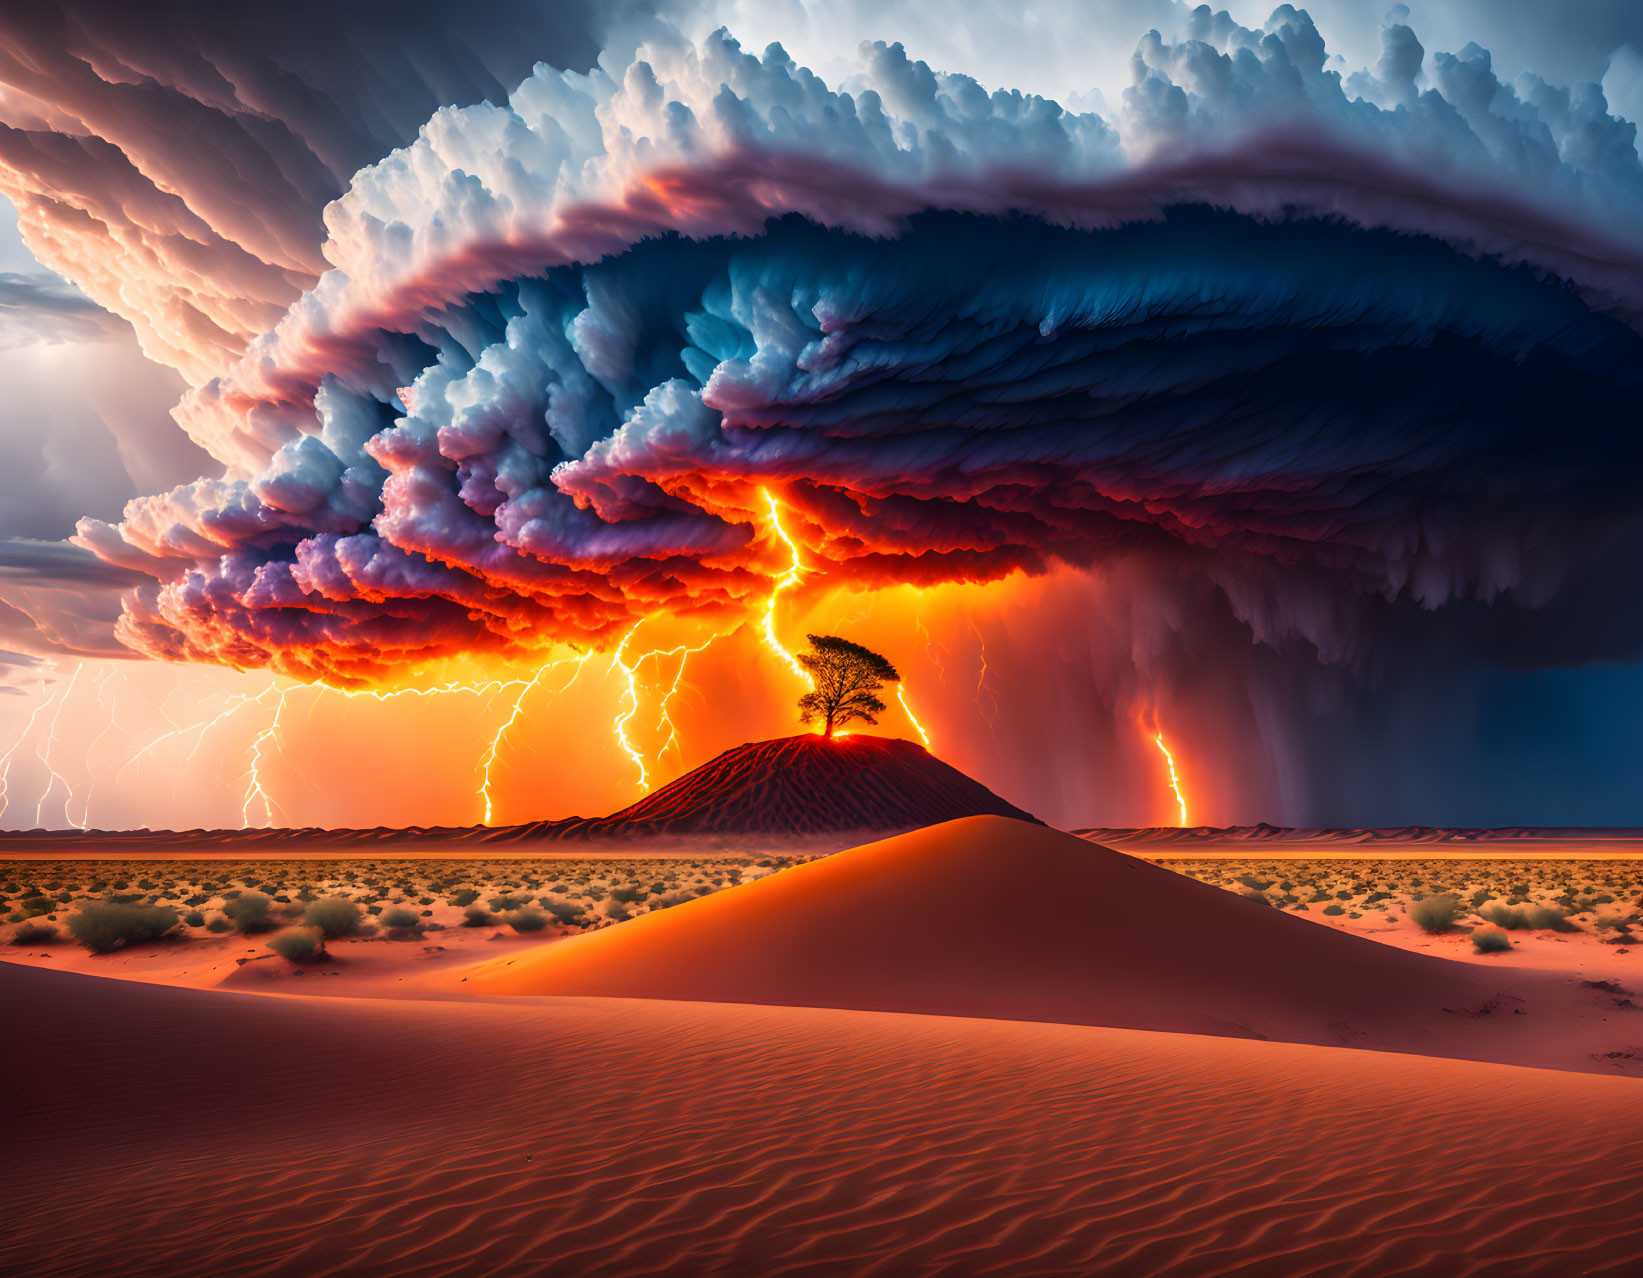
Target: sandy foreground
827,1071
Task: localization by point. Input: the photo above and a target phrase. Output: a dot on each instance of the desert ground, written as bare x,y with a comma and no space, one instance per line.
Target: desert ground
981,1047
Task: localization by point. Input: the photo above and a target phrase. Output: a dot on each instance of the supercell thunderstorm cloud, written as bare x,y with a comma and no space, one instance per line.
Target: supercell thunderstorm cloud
1314,382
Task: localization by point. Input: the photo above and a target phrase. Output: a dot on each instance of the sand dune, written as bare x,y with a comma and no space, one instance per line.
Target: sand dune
1097,938
186,1132
808,784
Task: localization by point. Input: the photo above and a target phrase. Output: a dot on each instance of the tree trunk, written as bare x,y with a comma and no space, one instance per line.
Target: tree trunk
829,733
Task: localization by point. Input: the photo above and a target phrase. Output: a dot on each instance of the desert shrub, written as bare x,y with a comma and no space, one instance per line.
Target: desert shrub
194,919
1519,918
477,916
1435,913
334,916
399,919
35,905
1490,940
218,923
103,926
523,921
1334,909
300,945
561,910
505,904
248,911
34,934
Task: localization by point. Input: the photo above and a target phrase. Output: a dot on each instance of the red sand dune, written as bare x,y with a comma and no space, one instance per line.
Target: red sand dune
184,1132
811,785
1090,936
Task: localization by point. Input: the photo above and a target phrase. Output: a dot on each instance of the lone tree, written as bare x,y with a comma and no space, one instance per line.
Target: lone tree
847,679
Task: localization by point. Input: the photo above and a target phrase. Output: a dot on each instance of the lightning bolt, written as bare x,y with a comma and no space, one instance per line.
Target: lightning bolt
105,703
1174,776
43,751
918,727
254,788
236,703
664,710
620,723
5,759
785,582
488,761
981,680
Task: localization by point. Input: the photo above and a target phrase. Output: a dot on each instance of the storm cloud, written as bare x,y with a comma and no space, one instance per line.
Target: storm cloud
1338,344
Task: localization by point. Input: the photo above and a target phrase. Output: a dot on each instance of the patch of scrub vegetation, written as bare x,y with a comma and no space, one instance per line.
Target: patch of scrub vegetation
1435,913
300,944
1438,894
350,897
105,926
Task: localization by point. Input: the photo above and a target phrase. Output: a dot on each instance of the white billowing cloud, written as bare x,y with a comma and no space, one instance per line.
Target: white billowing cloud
705,138
1623,84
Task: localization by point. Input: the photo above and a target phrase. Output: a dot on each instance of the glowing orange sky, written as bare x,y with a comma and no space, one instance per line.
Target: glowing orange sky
140,743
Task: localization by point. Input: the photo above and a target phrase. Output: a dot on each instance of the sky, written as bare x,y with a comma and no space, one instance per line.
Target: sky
464,418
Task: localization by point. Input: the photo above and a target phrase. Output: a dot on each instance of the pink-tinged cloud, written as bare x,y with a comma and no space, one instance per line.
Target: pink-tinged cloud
1330,348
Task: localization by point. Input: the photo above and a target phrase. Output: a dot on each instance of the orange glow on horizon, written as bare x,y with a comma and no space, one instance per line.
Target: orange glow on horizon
477,737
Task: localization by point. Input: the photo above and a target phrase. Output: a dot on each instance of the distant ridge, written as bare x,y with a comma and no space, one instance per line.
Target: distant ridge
1264,833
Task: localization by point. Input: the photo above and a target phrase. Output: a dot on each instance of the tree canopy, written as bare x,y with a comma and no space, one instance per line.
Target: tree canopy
846,678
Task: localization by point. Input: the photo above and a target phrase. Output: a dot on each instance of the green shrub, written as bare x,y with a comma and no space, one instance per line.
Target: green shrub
1334,909
248,911
477,916
34,934
464,898
1519,918
399,919
194,919
32,906
506,904
1490,940
1435,913
300,945
523,921
335,916
105,926
218,924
